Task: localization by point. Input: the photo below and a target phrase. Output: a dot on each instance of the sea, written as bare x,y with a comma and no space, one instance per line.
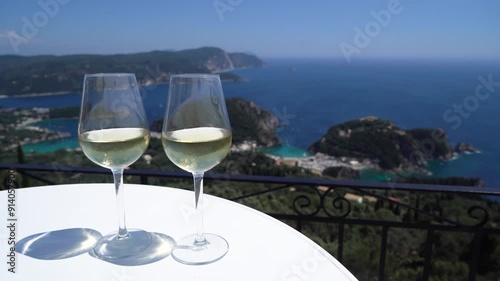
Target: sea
311,95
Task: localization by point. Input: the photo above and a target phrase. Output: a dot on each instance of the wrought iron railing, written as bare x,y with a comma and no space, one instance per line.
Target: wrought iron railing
332,201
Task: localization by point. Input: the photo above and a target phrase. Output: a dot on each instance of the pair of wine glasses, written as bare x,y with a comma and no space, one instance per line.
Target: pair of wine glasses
113,132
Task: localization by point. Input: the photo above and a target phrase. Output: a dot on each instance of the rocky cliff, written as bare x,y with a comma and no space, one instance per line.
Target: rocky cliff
244,60
249,122
217,60
382,142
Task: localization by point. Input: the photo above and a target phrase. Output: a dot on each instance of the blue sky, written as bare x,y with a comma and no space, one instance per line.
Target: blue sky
267,28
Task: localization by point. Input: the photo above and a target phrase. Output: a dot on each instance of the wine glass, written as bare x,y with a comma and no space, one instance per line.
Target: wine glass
196,137
113,132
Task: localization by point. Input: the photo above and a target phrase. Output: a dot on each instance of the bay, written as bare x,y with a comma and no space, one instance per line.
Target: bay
309,96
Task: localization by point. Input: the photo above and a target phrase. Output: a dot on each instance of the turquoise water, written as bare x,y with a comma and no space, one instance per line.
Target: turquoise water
58,125
469,165
51,146
322,93
374,175
286,151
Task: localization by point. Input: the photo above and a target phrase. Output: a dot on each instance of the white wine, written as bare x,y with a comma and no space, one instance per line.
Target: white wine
115,148
197,150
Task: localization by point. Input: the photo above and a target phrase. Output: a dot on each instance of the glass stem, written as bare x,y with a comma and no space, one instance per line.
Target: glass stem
198,203
120,203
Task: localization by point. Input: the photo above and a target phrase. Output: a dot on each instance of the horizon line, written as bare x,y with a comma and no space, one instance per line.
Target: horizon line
273,57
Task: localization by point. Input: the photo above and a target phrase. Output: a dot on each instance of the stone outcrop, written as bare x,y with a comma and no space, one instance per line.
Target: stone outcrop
381,141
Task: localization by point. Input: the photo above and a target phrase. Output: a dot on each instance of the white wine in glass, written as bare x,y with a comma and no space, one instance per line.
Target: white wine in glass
115,148
196,137
197,150
113,132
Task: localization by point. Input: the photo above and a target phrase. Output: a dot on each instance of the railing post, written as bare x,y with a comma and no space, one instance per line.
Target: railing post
383,251
341,243
417,206
299,225
144,179
429,241
476,248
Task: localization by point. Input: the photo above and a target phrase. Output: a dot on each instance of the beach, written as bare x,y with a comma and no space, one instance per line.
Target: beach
319,162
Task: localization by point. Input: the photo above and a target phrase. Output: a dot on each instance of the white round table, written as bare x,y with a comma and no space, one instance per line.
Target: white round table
260,247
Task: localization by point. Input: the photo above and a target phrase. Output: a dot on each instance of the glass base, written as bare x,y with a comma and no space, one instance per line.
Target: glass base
188,251
110,247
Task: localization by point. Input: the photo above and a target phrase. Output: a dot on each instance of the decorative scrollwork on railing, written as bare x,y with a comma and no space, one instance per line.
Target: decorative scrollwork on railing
301,205
311,200
479,213
335,206
341,205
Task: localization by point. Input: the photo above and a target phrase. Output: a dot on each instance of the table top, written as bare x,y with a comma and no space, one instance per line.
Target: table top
260,247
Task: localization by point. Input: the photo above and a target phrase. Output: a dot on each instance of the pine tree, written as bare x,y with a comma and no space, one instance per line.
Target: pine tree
20,160
20,154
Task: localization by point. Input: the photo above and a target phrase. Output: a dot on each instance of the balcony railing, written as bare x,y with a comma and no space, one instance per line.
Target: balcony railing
332,202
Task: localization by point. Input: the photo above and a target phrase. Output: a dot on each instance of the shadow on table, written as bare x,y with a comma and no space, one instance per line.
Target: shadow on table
58,244
67,243
161,247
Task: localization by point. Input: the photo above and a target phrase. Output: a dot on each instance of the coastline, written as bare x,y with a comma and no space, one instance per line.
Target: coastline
319,162
34,95
33,127
31,95
369,169
316,163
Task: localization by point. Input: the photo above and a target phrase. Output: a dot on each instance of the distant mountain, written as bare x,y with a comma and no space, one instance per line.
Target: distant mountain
42,74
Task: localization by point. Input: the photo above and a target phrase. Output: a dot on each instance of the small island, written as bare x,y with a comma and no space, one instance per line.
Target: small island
383,143
370,143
